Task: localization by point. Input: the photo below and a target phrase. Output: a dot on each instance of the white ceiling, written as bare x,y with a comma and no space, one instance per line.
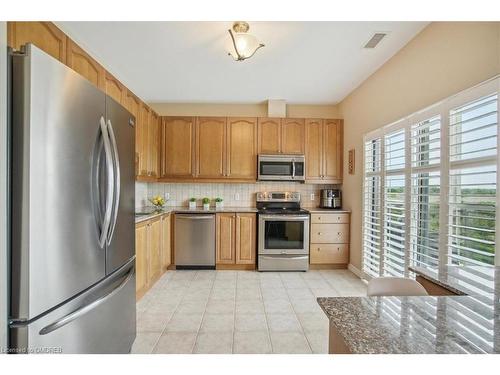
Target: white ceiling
303,62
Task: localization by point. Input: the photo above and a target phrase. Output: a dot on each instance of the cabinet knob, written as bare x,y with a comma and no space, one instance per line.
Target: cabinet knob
319,217
319,248
319,233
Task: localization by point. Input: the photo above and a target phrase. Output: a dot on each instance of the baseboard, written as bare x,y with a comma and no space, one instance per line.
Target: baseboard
355,270
329,266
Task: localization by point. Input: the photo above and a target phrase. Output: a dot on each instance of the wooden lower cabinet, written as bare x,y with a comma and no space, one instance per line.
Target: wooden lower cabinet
329,239
155,243
151,252
141,258
166,238
236,240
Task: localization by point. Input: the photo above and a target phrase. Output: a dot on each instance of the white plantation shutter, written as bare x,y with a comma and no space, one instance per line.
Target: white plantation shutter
372,221
473,182
425,191
430,187
472,216
425,206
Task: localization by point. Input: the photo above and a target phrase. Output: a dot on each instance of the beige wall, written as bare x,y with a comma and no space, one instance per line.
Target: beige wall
250,110
445,58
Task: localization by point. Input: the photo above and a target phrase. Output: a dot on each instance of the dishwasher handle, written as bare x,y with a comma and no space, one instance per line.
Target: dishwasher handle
195,217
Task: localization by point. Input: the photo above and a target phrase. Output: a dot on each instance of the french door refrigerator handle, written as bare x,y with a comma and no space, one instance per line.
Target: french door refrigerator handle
117,180
110,184
85,309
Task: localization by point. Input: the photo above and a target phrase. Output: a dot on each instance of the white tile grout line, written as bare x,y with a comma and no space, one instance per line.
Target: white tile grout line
265,316
203,315
296,316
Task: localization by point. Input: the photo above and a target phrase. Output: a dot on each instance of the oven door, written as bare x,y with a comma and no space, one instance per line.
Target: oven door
283,234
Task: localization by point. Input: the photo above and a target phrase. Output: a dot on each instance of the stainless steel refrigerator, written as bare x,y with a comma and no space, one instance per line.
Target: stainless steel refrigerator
72,212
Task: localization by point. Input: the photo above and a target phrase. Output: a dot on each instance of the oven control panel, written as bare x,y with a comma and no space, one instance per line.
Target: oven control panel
278,196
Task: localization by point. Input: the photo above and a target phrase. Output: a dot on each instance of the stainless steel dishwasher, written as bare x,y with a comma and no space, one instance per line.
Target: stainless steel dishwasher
194,241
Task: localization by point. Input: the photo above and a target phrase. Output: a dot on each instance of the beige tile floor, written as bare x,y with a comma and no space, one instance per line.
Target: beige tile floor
239,311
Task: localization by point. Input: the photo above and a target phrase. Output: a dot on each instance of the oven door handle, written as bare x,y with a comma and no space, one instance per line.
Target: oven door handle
285,217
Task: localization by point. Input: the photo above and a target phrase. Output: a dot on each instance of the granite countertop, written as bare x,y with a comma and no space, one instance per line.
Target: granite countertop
416,325
466,323
147,213
320,210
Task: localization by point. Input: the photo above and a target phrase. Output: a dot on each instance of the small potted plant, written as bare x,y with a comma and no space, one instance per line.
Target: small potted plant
192,203
206,203
158,202
219,203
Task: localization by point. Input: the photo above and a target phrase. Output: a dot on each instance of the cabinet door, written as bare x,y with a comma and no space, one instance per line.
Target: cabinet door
152,146
245,238
177,147
143,140
269,135
166,252
333,151
292,136
78,60
314,150
225,249
154,250
133,105
44,35
329,253
141,258
114,88
210,147
242,148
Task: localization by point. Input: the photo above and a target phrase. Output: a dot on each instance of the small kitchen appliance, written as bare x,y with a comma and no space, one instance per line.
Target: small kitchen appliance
331,198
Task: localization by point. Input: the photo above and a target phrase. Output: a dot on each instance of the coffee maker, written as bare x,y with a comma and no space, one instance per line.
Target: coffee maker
331,198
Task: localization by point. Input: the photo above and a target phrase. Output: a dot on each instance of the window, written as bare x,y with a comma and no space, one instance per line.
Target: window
430,185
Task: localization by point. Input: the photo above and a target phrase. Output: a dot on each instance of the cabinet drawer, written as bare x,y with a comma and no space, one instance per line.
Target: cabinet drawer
329,253
330,218
330,233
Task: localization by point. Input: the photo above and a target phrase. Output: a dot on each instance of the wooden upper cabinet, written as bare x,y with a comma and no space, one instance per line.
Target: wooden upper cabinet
324,149
314,149
114,88
177,147
241,148
333,150
81,62
269,135
133,105
281,136
142,141
153,146
44,35
245,248
292,136
225,238
210,147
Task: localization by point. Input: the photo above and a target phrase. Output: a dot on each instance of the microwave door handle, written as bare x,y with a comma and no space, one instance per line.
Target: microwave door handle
293,169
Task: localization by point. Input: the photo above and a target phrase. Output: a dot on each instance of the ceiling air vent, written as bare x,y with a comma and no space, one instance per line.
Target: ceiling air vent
375,40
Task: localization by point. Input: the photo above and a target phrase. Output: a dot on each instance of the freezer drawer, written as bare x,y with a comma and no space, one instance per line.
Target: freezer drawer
101,320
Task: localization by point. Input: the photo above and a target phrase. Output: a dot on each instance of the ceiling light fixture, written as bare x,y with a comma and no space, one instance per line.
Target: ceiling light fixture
244,45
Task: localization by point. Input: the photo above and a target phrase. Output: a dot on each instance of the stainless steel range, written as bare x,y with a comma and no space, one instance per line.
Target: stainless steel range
283,235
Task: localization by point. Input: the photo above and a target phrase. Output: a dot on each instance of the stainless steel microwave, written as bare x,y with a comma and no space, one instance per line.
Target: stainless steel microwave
281,168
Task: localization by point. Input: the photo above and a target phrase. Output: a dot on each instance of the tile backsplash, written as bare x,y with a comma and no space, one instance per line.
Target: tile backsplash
239,195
